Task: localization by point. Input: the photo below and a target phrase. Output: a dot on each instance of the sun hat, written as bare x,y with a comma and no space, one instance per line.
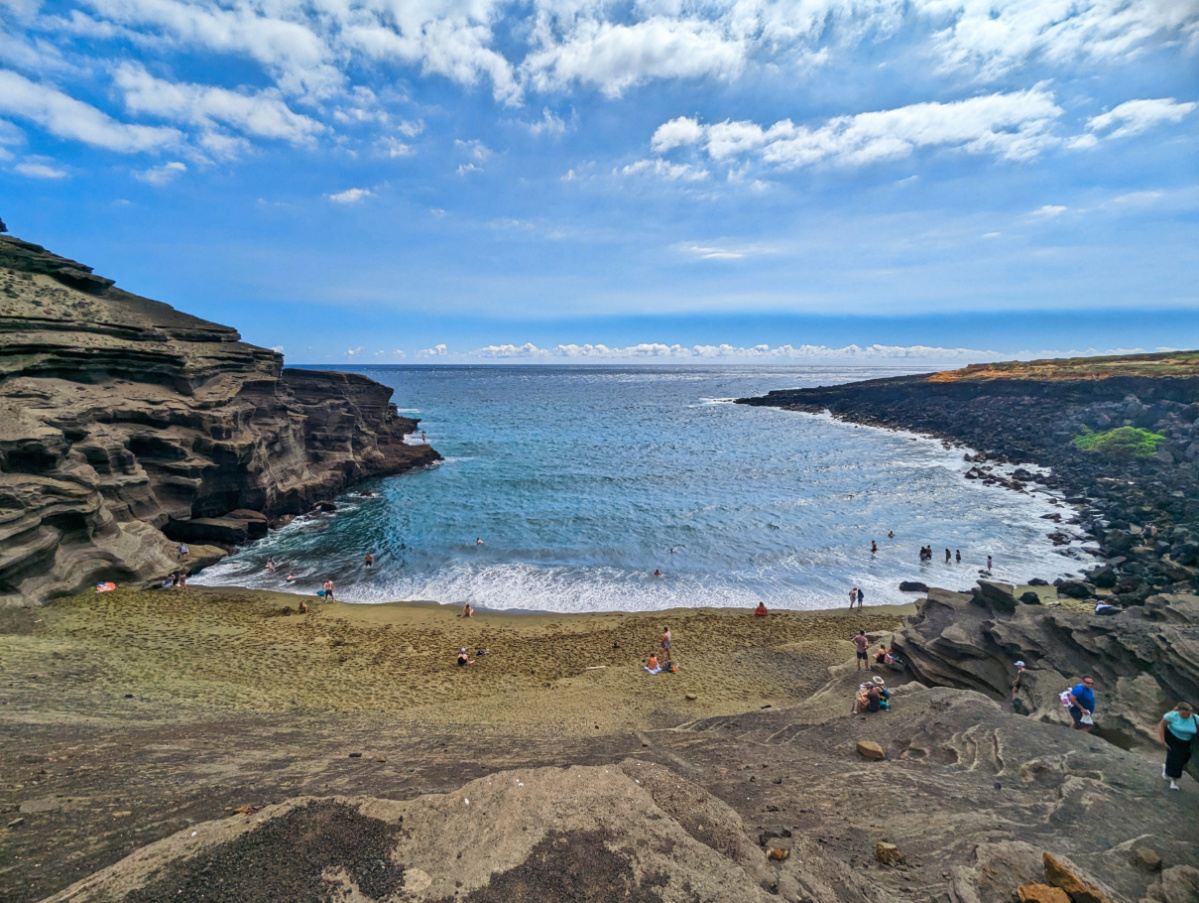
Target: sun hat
463,648
1019,664
878,680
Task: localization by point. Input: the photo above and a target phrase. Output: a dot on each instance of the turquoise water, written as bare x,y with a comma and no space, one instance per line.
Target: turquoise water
580,481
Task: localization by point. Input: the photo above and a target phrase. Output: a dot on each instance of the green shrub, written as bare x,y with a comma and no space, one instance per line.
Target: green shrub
1127,441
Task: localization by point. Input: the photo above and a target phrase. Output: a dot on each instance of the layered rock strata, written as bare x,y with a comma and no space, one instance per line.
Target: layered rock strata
124,422
1144,659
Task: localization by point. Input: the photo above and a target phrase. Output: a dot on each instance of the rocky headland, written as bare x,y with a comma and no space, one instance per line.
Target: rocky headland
1117,436
127,426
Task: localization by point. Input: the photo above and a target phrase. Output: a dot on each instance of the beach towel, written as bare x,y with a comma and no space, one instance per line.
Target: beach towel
105,587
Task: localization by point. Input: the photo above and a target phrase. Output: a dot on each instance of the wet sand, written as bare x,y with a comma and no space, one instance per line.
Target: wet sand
201,653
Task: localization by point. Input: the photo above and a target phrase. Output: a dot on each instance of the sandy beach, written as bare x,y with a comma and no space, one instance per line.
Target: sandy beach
202,652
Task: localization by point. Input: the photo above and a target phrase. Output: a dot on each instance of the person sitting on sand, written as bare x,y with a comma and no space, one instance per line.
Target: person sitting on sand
463,658
651,664
328,588
303,607
760,611
860,700
467,611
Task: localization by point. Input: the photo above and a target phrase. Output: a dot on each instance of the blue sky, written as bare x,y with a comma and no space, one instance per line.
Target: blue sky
569,180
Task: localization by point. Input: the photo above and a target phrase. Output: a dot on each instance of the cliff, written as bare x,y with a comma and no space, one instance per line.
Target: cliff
125,423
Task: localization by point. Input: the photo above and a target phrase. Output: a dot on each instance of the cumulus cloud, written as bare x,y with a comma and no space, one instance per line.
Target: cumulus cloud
436,351
1135,116
65,117
1014,125
474,149
350,196
261,114
465,169
548,124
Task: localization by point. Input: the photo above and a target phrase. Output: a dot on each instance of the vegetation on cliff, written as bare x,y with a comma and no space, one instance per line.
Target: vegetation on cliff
1128,441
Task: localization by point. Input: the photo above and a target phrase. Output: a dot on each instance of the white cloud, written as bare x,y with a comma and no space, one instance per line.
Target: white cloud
435,351
670,171
1135,116
707,253
399,353
161,175
393,147
676,133
1014,126
988,40
351,352
615,56
36,170
474,149
660,351
278,349
350,196
65,117
1049,211
465,169
548,124
410,129
262,114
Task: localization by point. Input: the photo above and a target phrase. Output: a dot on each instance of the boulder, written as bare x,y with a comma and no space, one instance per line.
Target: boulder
1147,859
868,749
1179,884
1000,597
1060,874
912,586
888,853
1041,893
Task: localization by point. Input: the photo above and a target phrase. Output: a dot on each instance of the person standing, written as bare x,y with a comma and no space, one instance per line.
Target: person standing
947,556
1082,705
1176,731
873,546
369,561
862,645
853,597
861,596
958,555
328,588
988,564
665,645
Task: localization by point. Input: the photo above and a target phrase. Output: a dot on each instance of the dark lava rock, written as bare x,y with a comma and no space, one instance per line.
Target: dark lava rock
912,586
1074,589
285,859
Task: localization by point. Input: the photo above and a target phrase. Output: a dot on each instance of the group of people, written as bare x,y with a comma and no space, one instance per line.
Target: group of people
661,660
872,697
1176,730
856,597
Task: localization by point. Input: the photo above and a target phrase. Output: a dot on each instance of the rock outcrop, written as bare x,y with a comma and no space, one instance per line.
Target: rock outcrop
124,422
1145,659
1143,511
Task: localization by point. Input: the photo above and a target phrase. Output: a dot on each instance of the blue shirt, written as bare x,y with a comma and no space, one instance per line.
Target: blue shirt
1182,728
1085,696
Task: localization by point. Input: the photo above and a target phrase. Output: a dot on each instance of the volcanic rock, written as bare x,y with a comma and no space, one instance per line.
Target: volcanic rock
868,749
121,416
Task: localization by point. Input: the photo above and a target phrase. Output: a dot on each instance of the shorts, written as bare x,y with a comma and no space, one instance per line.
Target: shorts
862,656
1076,713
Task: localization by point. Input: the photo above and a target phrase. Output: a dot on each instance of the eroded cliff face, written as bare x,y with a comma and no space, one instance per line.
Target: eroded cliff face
122,418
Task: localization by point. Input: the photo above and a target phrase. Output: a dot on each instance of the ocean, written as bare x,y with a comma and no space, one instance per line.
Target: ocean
581,482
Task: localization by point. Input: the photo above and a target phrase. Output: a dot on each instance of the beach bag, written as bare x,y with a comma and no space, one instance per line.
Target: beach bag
1086,719
1064,696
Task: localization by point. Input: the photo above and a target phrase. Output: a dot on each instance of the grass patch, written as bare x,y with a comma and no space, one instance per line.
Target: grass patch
1125,441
